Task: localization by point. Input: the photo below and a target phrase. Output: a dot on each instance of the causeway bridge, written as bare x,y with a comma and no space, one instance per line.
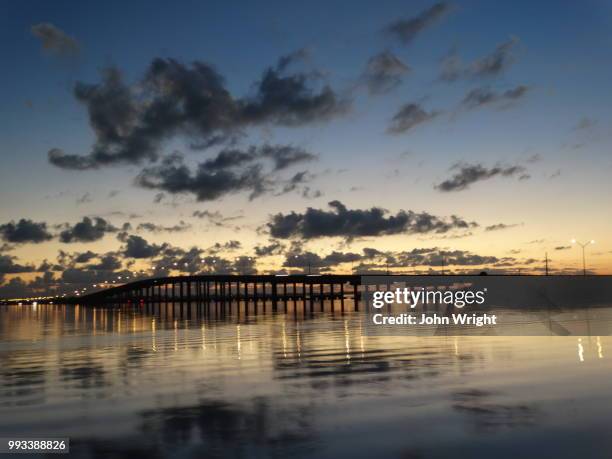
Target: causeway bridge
228,288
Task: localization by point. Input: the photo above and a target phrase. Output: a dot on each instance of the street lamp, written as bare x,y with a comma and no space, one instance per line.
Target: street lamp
583,245
307,260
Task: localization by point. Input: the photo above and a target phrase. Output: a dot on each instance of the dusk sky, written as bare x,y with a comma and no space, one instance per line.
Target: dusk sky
411,136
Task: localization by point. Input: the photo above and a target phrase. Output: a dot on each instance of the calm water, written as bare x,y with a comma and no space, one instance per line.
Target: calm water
181,383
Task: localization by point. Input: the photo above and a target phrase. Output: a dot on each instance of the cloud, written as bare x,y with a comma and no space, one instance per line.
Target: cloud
585,123
173,99
468,174
25,231
451,67
173,176
84,257
439,257
409,116
376,260
406,30
230,171
384,72
108,262
88,230
501,226
138,247
484,96
273,248
228,246
349,224
84,199
563,247
154,228
8,266
285,156
54,40
496,62
491,65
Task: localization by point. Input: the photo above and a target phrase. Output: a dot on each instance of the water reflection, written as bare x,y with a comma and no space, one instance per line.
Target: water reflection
172,381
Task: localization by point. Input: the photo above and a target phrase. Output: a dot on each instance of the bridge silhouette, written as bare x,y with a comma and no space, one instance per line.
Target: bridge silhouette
228,288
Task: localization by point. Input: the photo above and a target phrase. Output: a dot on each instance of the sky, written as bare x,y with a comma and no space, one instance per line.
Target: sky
157,137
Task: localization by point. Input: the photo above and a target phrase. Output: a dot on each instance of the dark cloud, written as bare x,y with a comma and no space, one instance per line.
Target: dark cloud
173,176
496,62
55,40
484,96
285,156
563,247
376,260
282,156
492,65
290,100
216,218
108,262
84,257
409,116
349,224
154,228
230,171
467,174
8,266
384,72
296,181
25,231
225,247
501,226
406,30
273,248
88,230
130,123
440,257
315,262
137,247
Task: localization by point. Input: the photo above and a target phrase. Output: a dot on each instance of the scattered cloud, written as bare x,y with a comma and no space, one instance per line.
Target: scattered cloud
172,99
175,177
480,97
496,62
406,30
349,224
409,116
87,230
273,248
230,171
154,228
84,199
501,226
54,40
585,123
468,174
25,231
491,65
138,247
384,72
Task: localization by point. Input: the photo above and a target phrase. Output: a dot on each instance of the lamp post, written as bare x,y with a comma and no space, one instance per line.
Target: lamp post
583,245
307,260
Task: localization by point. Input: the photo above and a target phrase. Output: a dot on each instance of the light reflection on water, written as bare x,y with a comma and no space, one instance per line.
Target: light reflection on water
180,382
